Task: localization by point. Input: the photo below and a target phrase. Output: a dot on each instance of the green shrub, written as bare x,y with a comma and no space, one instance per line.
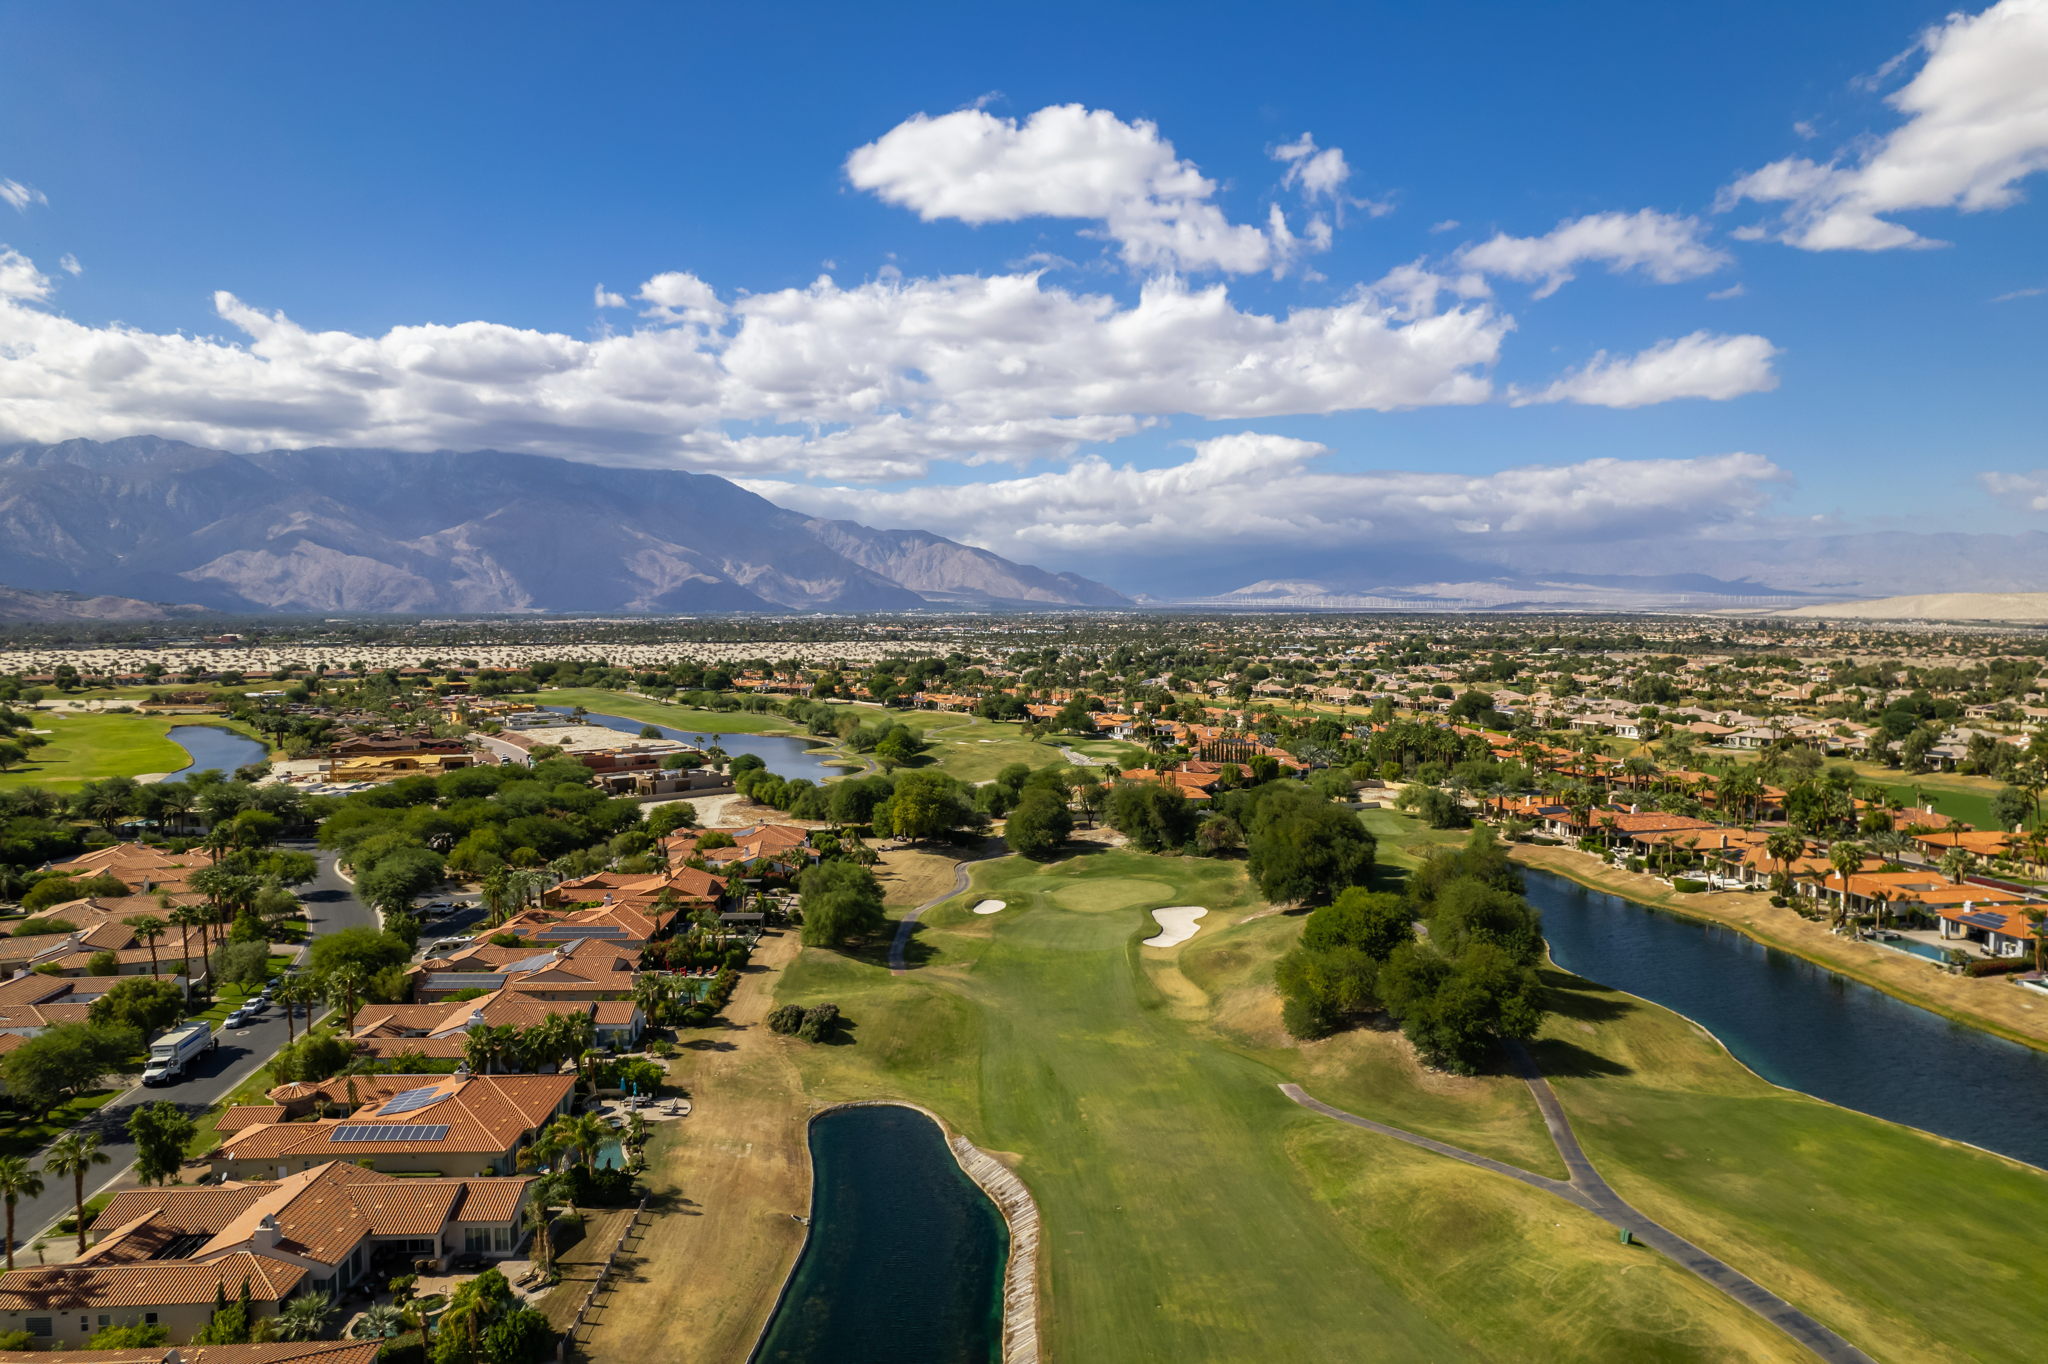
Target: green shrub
1685,885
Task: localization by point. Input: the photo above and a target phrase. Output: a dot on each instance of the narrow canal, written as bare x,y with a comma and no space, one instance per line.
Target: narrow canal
788,758
906,1254
1802,1026
213,749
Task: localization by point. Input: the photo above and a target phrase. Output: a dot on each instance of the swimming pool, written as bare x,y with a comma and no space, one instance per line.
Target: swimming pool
1915,947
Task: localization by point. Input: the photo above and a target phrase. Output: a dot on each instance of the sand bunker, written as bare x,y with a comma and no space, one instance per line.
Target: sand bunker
1176,925
988,906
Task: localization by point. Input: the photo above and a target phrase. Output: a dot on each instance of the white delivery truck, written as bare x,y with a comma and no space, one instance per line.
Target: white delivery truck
170,1054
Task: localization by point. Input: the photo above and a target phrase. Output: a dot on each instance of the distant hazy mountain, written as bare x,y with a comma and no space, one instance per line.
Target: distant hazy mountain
45,608
479,531
1678,573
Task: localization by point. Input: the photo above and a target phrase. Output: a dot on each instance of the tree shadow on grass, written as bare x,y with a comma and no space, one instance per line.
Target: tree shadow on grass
1577,998
875,951
1556,1057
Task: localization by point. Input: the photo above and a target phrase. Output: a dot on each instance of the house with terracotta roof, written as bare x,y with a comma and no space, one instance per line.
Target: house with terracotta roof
266,1352
136,865
687,887
317,1231
2006,929
784,849
386,1031
586,969
65,1304
454,1125
620,924
34,1001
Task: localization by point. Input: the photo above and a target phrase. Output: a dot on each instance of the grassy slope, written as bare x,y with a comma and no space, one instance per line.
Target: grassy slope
1191,1211
85,747
1912,1246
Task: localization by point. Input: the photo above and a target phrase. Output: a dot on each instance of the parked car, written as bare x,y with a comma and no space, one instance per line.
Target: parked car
240,1018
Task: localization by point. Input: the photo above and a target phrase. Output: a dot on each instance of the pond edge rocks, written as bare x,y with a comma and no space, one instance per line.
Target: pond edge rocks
1020,1215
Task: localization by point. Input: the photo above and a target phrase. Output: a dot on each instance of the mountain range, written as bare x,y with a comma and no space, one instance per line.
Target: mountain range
384,531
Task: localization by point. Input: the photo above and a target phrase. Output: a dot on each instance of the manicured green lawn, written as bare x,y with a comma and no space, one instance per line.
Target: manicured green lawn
1192,1212
231,997
1913,1247
1884,1233
85,747
24,1137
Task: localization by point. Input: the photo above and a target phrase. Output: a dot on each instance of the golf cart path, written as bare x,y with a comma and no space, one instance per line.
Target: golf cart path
908,923
1589,1191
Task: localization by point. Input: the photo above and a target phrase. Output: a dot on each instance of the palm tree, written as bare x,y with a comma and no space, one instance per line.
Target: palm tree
176,799
652,991
292,994
2037,926
305,1317
19,1180
1845,857
74,1154
549,1145
379,1321
590,1132
148,928
538,1218
188,918
344,985
1956,864
1785,846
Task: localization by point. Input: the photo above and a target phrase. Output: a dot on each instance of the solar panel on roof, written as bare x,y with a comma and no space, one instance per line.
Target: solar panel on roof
407,1100
464,980
390,1131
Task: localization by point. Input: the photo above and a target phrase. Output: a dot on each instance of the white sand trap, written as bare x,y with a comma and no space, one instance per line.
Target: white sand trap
989,907
1176,925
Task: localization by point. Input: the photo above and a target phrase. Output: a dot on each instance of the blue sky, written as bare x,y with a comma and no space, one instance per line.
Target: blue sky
484,168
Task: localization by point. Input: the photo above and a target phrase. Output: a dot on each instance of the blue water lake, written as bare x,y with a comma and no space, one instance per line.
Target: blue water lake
213,749
788,758
1804,1027
905,1256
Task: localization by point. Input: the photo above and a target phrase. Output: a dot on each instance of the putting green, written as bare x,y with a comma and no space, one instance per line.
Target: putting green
1109,893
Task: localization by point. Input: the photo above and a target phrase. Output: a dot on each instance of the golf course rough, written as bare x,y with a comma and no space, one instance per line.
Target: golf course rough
1189,1210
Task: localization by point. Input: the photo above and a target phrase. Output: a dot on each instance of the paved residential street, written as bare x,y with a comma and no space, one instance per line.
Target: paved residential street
331,905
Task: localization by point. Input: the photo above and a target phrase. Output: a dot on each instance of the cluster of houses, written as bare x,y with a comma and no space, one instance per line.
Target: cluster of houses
326,1188
328,1185
1976,915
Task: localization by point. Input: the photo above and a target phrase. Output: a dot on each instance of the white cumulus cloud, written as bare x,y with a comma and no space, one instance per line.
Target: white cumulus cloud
1251,489
1976,124
868,381
19,278
1702,365
1067,161
1665,247
1318,172
2029,490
